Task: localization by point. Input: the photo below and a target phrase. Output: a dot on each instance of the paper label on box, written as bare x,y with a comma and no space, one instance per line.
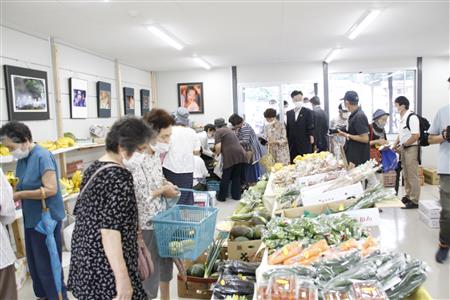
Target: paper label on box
367,217
312,197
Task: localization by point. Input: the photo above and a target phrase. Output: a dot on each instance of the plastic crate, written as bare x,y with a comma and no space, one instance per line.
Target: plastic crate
389,179
184,231
213,185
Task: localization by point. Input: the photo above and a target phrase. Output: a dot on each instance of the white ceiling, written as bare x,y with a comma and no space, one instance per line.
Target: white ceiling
230,32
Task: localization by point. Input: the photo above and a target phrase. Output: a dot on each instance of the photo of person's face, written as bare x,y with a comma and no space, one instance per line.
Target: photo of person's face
105,100
130,102
79,98
191,96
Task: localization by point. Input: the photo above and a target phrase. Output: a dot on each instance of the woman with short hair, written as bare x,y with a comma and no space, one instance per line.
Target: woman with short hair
275,133
104,259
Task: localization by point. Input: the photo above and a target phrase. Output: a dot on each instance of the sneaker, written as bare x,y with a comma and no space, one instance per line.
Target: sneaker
410,205
442,254
405,200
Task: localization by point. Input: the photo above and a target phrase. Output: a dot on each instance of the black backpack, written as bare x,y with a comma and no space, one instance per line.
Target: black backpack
424,126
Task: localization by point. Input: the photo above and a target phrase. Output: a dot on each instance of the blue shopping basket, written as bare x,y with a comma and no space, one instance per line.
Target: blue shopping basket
184,231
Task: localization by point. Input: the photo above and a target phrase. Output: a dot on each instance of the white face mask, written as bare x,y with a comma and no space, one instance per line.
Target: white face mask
270,122
135,160
19,153
160,147
298,104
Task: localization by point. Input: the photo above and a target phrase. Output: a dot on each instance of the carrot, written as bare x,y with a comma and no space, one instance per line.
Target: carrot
314,250
369,243
286,252
350,244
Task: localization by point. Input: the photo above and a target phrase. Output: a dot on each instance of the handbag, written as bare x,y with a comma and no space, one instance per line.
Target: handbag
267,161
145,263
374,152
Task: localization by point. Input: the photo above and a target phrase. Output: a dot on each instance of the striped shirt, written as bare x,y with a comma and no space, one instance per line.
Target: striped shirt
249,141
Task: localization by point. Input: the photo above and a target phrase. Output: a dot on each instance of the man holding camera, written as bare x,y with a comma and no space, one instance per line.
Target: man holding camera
440,134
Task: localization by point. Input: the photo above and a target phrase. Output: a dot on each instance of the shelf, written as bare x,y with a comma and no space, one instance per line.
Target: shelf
10,159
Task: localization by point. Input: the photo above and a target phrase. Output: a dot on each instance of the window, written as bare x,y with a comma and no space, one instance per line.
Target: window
375,90
256,98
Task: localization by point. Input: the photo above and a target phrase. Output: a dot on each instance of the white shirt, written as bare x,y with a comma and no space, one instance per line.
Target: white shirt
440,122
203,137
7,216
180,158
200,171
404,133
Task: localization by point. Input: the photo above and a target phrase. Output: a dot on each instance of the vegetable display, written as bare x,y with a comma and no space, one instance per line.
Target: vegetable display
334,229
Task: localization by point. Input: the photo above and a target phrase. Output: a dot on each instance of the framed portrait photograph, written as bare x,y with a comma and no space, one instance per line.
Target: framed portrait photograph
26,94
103,99
129,102
78,98
145,101
190,96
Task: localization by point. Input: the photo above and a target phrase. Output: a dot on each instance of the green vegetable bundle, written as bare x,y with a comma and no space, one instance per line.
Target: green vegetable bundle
372,196
335,229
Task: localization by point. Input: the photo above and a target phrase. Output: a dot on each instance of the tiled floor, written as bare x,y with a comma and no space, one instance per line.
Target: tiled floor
400,230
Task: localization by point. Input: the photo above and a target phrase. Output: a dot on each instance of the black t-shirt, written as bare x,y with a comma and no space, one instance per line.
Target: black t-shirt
357,153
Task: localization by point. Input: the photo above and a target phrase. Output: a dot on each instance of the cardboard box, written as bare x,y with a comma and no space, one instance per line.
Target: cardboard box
432,223
389,179
430,208
431,176
245,251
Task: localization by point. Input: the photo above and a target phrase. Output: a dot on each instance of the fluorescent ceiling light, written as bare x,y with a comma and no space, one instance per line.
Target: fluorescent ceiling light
165,37
363,23
332,55
203,63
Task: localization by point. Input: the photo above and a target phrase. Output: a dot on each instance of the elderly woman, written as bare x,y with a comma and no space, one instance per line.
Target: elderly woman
151,189
38,177
178,165
104,243
250,143
275,133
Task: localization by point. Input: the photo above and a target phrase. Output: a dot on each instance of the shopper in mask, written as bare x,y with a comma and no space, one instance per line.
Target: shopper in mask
104,259
152,190
408,147
275,134
38,177
206,153
377,133
299,127
340,122
178,165
357,148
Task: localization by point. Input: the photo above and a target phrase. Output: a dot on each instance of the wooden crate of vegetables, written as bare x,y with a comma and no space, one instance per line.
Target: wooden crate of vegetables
202,272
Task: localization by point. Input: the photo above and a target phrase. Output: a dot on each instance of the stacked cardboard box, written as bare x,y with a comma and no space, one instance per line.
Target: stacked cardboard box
431,176
429,212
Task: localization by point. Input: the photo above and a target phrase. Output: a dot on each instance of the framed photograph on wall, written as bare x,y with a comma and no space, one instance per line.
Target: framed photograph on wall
26,94
128,97
103,99
190,96
78,98
145,101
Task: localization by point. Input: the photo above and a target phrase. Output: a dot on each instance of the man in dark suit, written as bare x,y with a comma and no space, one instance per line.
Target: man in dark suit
299,127
321,125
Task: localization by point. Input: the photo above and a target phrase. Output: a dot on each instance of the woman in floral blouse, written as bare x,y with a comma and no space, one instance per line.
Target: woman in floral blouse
275,132
150,187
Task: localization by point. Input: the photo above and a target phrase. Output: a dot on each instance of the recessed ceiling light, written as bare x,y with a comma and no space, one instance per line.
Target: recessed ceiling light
201,62
362,24
332,55
165,37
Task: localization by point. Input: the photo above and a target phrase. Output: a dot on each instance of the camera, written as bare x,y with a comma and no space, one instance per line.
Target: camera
336,130
448,134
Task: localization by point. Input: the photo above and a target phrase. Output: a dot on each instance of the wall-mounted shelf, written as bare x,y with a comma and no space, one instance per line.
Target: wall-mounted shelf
10,159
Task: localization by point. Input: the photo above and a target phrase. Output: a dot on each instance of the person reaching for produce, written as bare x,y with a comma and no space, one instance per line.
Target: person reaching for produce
178,165
234,160
104,259
377,133
36,168
152,190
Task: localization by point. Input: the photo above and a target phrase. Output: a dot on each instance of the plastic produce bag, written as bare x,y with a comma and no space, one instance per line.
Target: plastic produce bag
234,267
229,285
412,277
389,160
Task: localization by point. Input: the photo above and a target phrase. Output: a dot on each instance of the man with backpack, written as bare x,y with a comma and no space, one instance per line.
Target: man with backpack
408,146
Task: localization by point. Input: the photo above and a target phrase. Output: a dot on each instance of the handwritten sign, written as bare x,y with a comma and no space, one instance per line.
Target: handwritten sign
367,217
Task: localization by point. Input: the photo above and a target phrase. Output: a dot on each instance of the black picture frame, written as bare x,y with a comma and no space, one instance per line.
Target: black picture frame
128,101
199,106
103,99
28,83
145,101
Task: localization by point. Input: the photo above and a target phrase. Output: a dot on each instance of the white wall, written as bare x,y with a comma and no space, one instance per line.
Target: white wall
217,89
28,51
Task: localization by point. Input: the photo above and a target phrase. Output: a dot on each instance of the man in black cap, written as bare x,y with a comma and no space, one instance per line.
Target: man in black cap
299,127
357,147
